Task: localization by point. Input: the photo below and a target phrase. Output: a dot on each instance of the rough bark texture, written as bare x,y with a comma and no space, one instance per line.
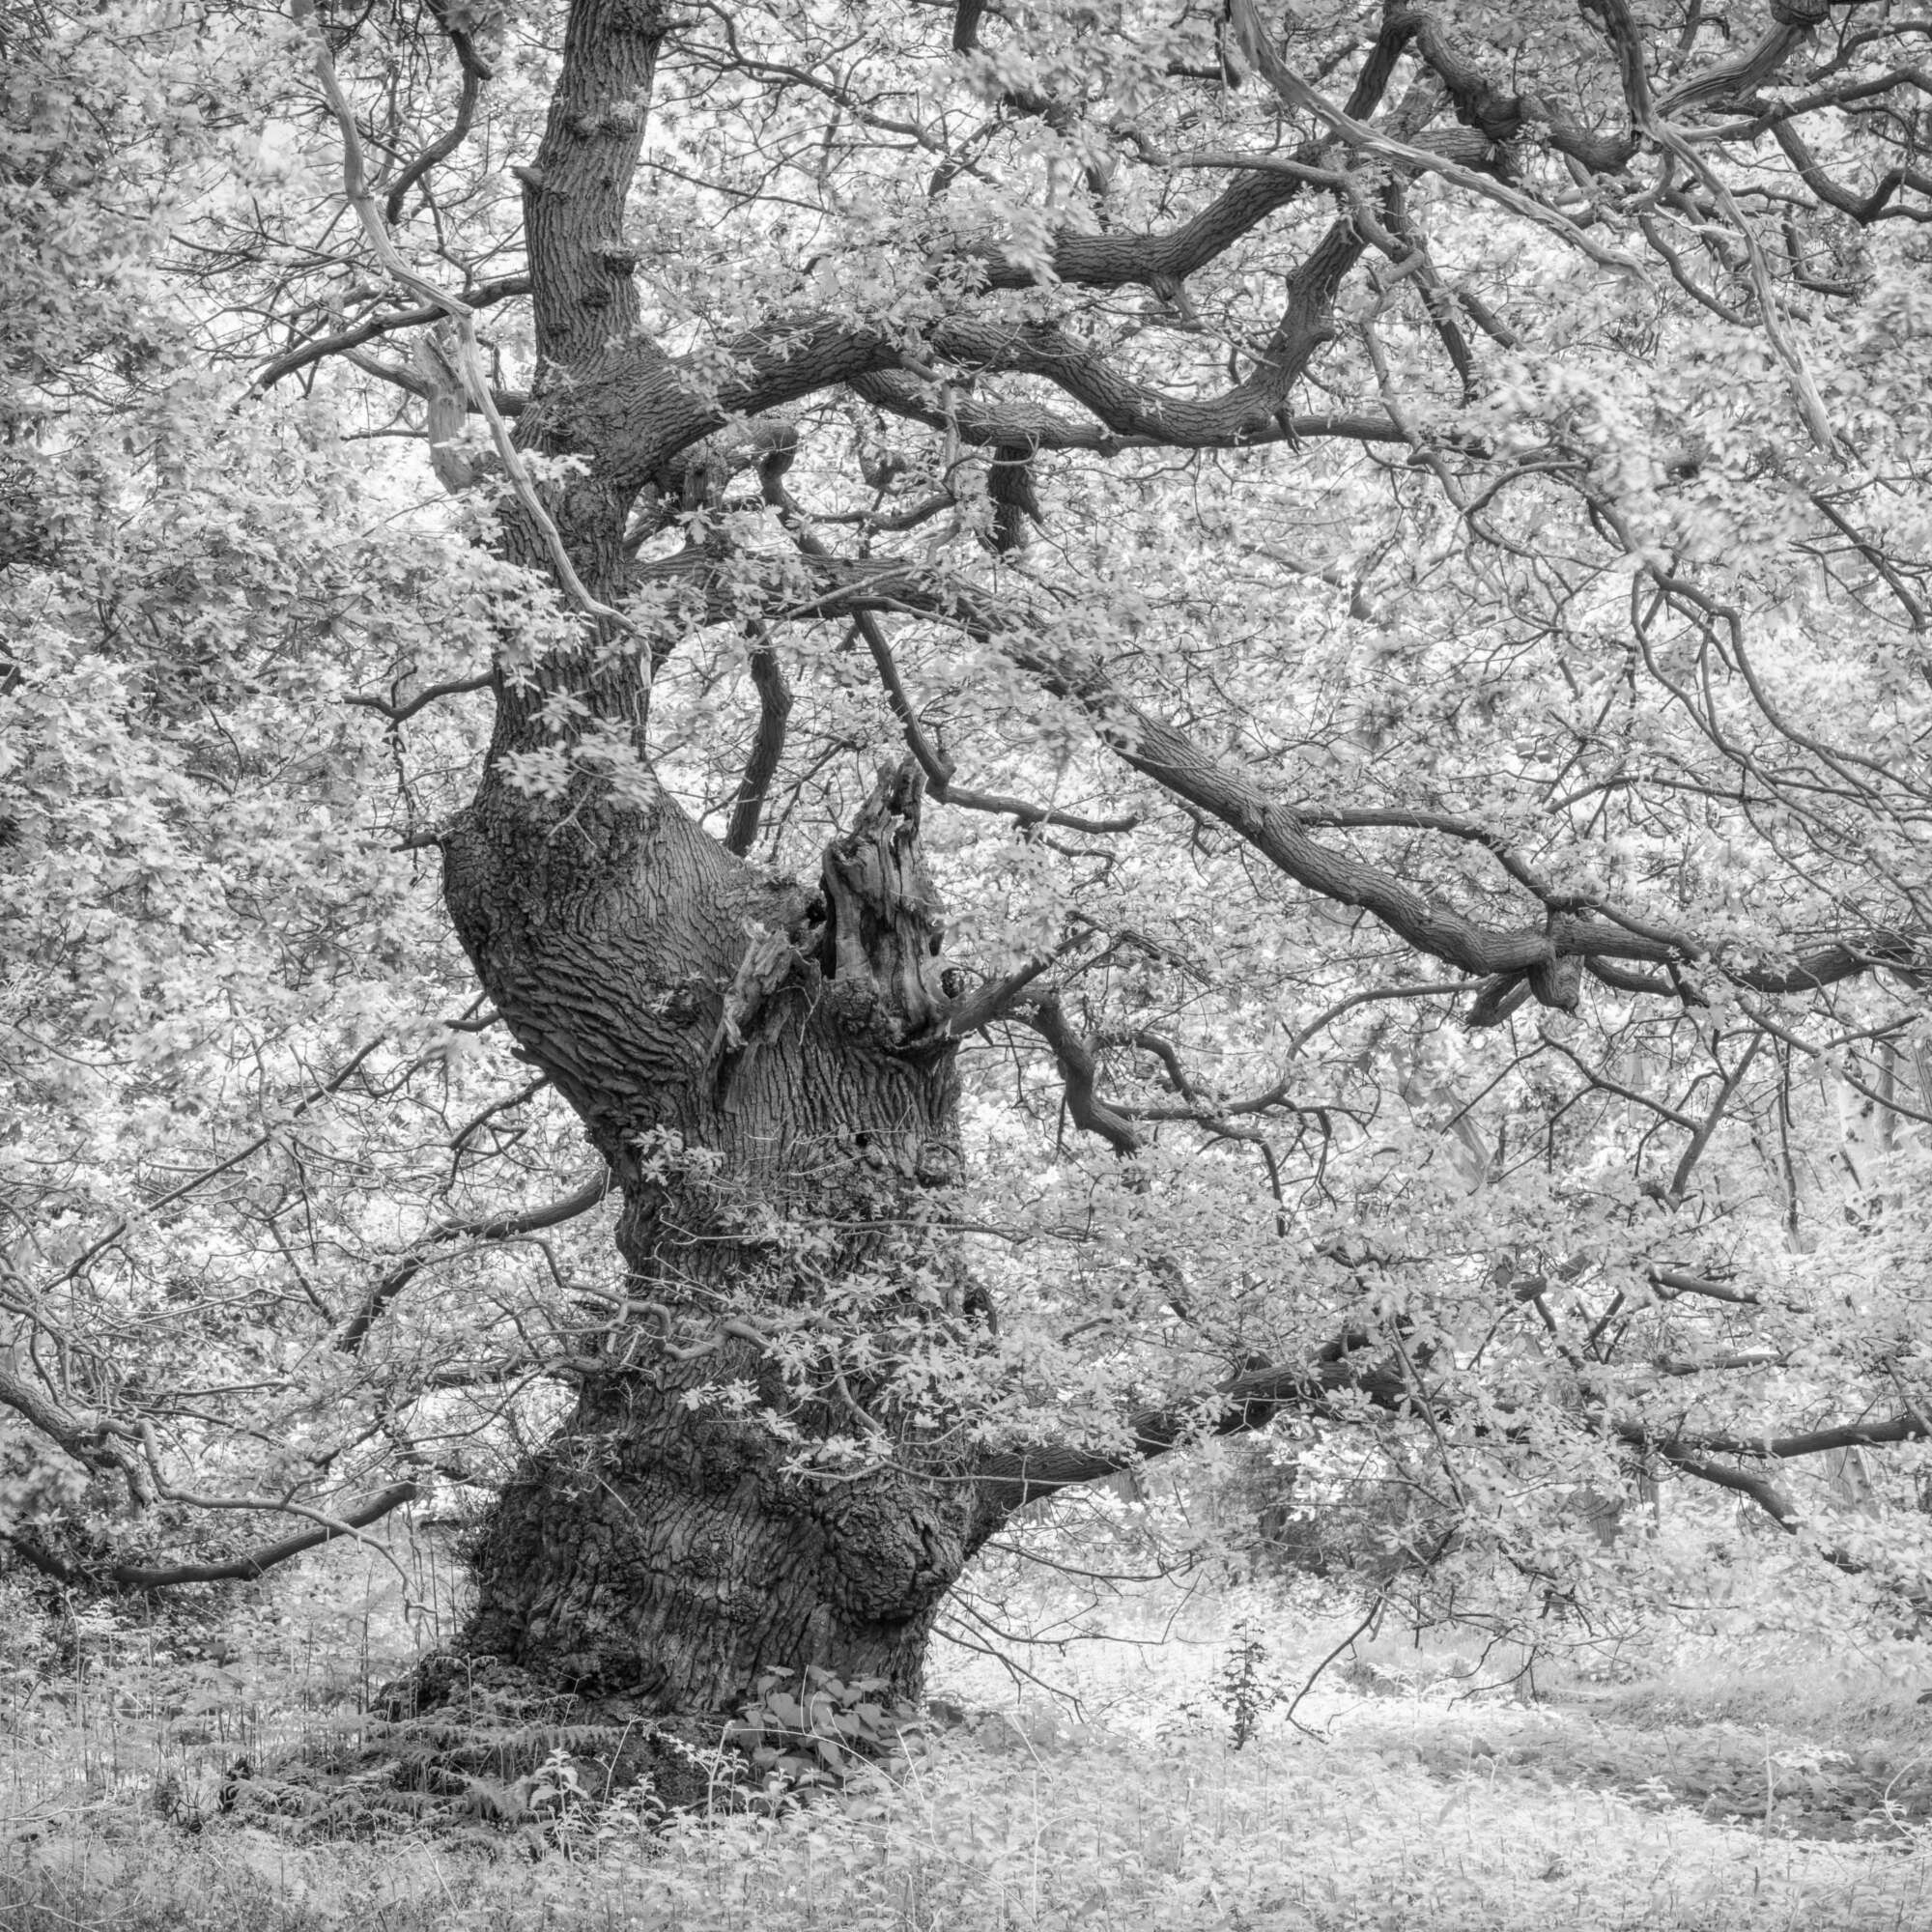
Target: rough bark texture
737,1046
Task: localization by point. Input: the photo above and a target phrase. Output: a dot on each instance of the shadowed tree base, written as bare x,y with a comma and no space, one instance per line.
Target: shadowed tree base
464,1741
685,1561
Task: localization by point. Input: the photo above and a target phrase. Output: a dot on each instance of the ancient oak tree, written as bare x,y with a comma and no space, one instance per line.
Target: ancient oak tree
1164,720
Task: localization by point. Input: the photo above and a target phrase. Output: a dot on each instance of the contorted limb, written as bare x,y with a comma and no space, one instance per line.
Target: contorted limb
1546,957
761,762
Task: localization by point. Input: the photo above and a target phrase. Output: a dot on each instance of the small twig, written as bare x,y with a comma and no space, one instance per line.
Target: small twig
1365,1628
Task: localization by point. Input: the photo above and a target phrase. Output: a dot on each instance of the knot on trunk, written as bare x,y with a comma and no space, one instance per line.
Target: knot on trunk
883,918
1555,980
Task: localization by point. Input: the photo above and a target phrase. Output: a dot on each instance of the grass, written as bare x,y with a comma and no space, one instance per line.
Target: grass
1423,1794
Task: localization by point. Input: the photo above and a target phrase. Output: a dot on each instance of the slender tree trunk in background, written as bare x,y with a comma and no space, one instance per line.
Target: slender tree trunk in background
736,1047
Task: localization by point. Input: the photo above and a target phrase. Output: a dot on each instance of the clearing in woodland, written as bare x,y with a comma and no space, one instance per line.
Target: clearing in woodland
1741,1778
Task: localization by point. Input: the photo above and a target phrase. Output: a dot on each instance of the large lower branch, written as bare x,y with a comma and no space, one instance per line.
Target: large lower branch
1080,1070
244,1569
1780,1448
1239,1405
632,410
1542,955
1351,1366
90,1438
1429,924
984,420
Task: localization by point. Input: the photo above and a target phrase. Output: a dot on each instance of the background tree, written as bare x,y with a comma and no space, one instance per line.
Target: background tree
1163,723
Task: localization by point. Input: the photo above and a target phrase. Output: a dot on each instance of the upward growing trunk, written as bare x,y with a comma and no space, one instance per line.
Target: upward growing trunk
762,1063
747,1055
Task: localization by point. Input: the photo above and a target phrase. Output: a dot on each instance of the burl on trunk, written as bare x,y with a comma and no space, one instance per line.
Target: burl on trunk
767,1068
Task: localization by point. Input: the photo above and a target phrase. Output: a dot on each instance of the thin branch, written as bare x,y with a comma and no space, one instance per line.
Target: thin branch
399,713
460,313
1603,1084
485,294
492,1227
938,769
1702,1139
1297,93
475,71
332,1085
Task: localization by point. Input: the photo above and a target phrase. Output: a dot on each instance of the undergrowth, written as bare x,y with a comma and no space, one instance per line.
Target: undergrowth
1417,1788
999,1830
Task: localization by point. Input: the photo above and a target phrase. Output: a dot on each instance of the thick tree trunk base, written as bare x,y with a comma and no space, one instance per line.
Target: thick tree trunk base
672,1559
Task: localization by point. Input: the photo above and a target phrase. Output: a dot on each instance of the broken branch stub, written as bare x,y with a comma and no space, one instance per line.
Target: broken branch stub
885,918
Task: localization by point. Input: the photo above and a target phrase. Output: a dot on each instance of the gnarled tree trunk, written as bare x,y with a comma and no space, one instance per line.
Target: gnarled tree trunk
762,1063
765,1067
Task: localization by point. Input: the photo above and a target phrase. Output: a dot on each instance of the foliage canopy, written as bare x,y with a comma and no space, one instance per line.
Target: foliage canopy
1383,551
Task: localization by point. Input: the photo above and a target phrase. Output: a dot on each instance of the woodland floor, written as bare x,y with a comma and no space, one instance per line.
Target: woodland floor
1416,1788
